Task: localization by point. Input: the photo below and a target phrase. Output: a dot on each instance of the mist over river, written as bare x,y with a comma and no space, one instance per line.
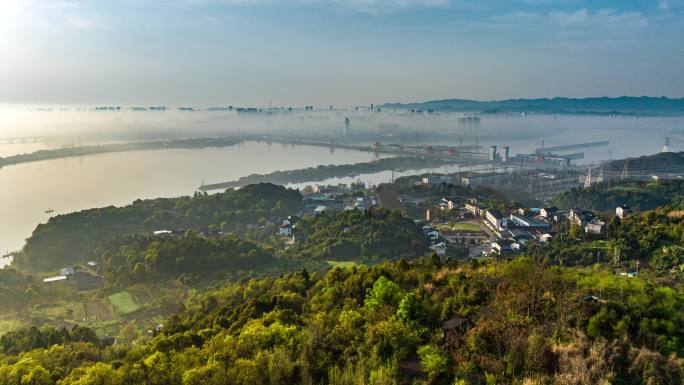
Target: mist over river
73,184
28,190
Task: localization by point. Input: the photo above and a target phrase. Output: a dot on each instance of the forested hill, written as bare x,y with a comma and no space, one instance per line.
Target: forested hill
655,237
419,322
660,163
356,234
65,239
127,260
639,195
600,105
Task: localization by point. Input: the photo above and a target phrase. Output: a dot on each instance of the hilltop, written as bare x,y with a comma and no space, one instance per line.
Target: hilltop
627,105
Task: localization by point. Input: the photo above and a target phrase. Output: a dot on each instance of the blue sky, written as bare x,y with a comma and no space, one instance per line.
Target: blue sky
341,52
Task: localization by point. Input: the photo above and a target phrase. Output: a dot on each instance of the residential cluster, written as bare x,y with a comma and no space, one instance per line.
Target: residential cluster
487,231
318,198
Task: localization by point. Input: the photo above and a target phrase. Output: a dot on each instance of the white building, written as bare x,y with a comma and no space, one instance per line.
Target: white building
285,230
436,179
623,211
439,248
594,227
495,220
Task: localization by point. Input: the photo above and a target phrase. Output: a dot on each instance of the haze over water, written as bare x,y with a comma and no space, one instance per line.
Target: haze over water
73,184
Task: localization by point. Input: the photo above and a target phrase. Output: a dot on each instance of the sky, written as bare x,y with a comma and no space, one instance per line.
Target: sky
336,52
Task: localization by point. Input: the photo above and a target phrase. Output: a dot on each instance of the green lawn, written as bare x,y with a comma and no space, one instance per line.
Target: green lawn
469,227
123,303
597,244
342,264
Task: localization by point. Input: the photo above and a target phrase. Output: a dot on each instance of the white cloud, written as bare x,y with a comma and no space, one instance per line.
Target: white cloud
606,21
365,6
51,4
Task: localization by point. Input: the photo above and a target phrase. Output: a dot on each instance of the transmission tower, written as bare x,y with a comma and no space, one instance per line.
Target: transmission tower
625,171
587,181
600,177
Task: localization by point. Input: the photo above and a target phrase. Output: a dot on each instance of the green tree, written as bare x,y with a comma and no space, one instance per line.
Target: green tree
433,361
410,309
384,292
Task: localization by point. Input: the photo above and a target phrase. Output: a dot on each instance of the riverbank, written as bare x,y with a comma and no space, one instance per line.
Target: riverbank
328,171
194,143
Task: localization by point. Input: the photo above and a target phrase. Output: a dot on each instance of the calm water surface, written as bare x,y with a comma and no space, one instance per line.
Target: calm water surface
74,184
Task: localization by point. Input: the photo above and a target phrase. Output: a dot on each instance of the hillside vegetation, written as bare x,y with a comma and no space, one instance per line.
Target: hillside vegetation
638,195
135,259
354,234
396,323
66,239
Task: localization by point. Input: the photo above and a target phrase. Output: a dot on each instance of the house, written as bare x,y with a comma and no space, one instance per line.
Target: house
67,271
540,235
434,179
319,210
520,235
93,266
495,220
523,221
446,204
285,230
163,233
474,209
433,235
503,246
548,212
594,227
57,278
454,331
439,248
580,217
623,211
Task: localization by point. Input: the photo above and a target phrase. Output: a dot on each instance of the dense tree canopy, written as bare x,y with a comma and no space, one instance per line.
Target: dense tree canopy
131,259
638,195
353,234
526,323
65,239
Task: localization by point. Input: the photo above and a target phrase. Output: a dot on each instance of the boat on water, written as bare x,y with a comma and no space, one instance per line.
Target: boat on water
49,211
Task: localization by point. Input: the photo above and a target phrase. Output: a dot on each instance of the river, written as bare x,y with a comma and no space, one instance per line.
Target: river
72,184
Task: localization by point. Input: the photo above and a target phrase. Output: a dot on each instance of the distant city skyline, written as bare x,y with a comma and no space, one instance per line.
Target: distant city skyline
337,52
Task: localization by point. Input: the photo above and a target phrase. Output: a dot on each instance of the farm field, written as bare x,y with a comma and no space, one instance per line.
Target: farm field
460,226
124,303
343,264
466,226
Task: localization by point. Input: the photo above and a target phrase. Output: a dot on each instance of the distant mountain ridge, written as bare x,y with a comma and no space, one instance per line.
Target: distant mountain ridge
627,105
